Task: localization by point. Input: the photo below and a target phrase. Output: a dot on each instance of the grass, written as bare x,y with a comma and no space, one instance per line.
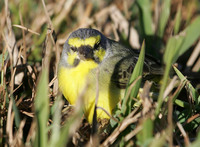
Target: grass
34,113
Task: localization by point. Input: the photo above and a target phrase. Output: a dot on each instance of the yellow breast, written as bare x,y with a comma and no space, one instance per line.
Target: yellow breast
73,80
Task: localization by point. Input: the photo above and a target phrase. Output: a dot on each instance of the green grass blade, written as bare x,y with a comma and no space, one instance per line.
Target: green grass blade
170,56
178,44
17,116
146,135
138,69
196,143
164,15
172,49
145,16
177,20
42,109
137,72
162,89
3,58
56,122
192,33
194,94
182,104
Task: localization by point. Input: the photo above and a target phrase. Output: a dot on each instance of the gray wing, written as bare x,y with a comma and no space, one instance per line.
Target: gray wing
121,62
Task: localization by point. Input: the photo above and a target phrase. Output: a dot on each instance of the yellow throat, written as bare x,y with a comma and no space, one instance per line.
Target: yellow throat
72,81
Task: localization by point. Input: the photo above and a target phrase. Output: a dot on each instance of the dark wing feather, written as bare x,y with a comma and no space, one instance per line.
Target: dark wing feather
123,71
125,66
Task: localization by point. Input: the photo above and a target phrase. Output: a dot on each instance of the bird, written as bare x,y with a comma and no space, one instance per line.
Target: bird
87,52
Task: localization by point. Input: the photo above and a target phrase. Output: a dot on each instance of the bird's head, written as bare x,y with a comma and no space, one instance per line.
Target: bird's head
84,45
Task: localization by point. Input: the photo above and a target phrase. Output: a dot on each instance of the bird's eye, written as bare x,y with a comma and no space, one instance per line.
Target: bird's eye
96,46
74,49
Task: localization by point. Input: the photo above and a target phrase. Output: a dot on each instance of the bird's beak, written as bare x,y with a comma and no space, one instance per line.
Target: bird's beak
85,52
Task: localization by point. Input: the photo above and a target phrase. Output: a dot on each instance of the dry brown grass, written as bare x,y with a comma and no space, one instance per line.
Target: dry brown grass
32,34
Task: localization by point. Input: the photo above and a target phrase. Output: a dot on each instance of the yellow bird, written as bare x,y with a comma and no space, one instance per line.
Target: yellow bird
87,50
